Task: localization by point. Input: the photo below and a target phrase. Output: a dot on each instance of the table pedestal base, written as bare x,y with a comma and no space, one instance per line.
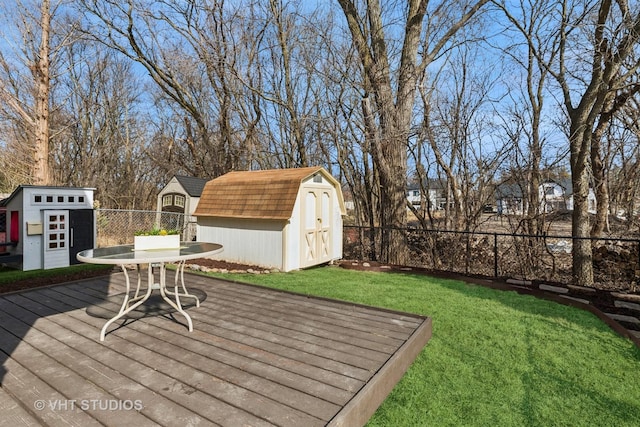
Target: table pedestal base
130,303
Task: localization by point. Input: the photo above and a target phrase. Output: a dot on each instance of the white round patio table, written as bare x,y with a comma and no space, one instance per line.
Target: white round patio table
125,255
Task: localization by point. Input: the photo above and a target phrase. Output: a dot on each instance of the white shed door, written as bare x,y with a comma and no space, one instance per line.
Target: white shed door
316,227
56,239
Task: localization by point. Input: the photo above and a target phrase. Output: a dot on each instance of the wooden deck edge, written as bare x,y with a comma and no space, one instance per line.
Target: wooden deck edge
363,405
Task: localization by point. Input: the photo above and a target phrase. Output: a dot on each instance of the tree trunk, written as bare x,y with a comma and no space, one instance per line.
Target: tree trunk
388,126
40,168
581,231
601,220
393,198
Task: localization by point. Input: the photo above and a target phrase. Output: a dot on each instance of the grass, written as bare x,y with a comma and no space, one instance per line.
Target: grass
10,276
496,358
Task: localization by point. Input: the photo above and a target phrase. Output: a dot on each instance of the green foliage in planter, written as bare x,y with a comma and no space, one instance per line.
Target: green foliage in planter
156,232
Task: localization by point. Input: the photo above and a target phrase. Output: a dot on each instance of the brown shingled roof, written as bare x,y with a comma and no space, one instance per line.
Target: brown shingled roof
268,194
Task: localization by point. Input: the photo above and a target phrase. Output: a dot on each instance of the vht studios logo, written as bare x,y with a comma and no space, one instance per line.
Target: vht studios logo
88,405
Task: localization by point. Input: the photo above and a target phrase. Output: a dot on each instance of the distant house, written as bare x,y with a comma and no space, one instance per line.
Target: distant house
436,194
554,196
509,199
181,195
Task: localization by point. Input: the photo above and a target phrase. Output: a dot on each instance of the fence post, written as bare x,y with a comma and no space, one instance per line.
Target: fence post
495,254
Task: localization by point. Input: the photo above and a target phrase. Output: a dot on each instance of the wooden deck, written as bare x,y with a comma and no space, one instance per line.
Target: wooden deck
256,357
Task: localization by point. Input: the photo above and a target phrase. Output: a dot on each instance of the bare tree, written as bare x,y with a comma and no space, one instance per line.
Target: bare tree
30,100
457,130
388,112
525,119
184,47
591,57
103,129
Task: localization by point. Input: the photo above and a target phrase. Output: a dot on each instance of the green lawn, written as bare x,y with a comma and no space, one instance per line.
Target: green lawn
495,359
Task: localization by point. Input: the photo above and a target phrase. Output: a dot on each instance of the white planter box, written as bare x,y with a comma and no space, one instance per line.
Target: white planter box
148,243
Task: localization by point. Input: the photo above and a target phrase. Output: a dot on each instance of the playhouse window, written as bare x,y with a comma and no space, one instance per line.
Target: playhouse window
15,226
179,201
55,236
167,200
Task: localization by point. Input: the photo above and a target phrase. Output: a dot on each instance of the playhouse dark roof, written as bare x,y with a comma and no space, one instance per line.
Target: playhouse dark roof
192,185
268,194
21,187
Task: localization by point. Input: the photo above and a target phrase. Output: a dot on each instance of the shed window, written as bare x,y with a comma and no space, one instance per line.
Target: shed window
179,201
317,178
167,200
49,199
37,199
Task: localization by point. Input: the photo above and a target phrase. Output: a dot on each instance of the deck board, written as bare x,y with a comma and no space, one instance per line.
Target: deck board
256,357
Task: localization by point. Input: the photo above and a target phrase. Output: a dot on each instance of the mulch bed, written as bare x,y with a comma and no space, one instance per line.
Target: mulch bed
37,282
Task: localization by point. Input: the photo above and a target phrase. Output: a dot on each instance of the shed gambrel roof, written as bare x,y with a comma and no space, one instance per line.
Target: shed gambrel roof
193,186
268,194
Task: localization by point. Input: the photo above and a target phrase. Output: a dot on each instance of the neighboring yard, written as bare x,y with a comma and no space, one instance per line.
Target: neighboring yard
496,358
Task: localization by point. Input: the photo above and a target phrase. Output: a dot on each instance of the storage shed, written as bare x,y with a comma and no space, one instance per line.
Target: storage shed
284,218
48,226
181,195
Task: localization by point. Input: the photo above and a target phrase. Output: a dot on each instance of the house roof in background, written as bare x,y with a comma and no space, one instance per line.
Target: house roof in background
565,183
267,194
509,190
429,184
192,185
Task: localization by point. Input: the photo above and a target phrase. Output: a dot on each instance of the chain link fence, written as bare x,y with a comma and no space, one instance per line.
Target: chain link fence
117,227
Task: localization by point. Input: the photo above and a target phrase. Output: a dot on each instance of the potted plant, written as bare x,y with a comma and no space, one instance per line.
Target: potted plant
156,239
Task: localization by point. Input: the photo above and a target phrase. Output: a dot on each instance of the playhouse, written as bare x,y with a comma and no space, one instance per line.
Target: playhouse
181,195
47,226
284,218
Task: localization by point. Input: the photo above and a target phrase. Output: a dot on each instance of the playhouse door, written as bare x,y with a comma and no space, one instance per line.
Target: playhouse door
81,232
317,227
56,239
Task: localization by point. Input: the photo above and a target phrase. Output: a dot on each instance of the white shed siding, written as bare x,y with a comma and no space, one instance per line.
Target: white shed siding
245,241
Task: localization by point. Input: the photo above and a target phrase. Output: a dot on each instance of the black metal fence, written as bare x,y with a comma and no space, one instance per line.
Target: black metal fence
616,261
